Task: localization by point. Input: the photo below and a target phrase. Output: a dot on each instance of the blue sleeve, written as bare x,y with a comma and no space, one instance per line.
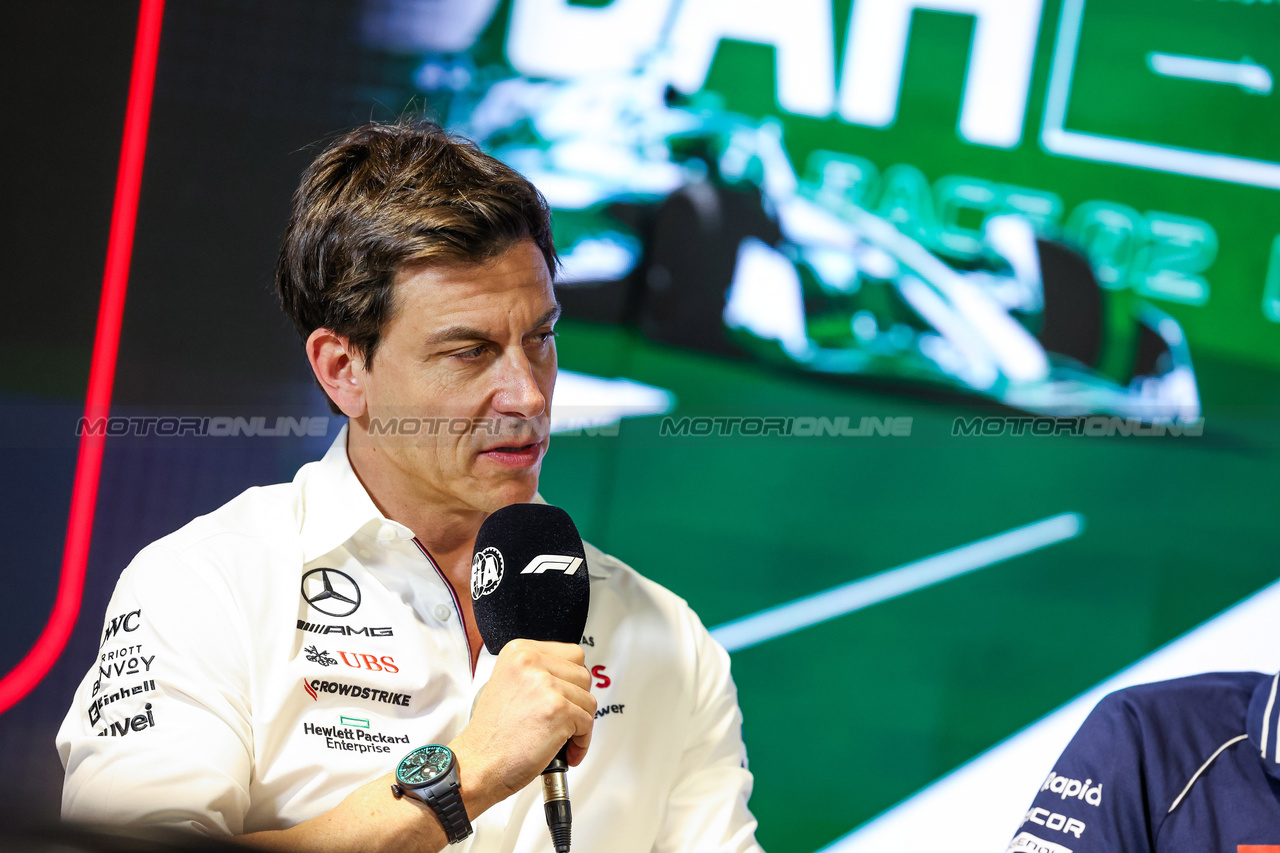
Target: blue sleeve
1097,799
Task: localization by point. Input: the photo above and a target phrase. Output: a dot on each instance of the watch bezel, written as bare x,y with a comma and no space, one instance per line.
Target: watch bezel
418,786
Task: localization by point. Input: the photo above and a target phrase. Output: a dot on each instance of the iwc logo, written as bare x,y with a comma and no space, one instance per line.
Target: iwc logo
486,572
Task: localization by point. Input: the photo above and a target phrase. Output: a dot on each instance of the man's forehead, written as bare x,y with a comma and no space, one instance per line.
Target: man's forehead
512,286
521,259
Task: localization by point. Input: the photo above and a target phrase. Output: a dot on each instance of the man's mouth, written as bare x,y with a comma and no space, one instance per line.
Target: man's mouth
515,455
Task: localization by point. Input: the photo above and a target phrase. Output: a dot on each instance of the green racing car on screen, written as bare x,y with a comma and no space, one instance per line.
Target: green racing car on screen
690,221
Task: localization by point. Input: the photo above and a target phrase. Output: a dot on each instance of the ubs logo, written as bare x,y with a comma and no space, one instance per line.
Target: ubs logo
331,592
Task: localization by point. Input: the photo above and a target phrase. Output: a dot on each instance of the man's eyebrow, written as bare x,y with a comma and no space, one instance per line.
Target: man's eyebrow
452,334
457,334
549,317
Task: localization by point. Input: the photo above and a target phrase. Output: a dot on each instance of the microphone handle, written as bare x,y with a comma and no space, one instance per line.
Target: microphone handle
555,800
560,762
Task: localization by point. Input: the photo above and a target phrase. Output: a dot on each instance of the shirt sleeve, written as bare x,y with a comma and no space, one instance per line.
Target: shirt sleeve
159,732
707,808
1096,799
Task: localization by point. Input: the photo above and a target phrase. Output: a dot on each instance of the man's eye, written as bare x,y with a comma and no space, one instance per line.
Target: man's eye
474,352
546,336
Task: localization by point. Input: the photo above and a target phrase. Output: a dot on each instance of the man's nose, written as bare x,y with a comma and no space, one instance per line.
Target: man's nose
518,394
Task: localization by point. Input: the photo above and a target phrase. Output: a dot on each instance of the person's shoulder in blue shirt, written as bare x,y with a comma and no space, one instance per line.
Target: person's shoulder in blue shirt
1188,764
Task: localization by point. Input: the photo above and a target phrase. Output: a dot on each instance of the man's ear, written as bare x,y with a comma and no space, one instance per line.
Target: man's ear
339,370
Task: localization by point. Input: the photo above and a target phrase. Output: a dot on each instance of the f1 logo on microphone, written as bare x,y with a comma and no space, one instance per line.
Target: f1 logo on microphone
551,563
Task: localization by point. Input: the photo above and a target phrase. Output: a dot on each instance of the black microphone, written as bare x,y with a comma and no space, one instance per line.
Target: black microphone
529,581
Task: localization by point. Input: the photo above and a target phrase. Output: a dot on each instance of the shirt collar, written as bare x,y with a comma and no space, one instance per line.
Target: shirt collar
335,505
1263,723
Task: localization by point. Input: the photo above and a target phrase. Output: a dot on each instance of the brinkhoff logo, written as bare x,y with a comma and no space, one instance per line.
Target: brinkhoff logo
1073,788
355,691
346,630
134,724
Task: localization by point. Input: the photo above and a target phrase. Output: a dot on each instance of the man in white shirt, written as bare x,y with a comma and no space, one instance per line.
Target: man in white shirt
264,669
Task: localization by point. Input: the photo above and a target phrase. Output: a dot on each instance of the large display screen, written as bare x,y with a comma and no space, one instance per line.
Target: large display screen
930,350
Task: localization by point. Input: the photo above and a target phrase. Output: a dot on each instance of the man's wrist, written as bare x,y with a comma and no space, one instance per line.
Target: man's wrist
478,793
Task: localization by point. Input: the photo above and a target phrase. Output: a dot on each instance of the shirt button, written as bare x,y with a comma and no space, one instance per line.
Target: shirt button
442,612
364,553
387,533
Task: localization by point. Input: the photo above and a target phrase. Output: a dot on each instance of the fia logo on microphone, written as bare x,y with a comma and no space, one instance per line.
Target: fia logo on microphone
486,572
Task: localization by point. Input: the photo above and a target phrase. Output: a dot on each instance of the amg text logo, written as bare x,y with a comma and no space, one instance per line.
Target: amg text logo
345,630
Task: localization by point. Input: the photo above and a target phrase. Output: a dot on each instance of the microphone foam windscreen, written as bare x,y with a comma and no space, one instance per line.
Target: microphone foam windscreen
529,577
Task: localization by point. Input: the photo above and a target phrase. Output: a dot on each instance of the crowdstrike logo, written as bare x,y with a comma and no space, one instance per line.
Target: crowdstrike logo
486,572
1073,789
331,592
317,686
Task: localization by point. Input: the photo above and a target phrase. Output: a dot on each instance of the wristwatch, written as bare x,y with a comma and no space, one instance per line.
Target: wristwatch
430,774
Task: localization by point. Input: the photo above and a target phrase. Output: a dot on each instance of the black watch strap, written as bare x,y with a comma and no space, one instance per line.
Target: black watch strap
448,806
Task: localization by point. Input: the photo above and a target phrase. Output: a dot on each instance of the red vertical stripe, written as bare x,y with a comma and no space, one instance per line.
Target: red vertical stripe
84,491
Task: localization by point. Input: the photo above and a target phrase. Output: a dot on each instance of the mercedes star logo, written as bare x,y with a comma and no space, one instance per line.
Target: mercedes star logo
331,592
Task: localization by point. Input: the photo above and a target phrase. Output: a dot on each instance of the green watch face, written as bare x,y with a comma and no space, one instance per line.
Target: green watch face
425,764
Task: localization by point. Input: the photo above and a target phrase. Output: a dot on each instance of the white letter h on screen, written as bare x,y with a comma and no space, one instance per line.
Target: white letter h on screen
1000,60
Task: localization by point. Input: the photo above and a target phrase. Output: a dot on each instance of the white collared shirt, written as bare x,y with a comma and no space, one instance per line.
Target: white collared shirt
266,659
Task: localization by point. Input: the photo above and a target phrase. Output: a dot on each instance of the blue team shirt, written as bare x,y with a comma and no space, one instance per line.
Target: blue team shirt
1189,765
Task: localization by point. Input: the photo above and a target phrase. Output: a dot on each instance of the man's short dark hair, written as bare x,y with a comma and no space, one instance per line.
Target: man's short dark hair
387,197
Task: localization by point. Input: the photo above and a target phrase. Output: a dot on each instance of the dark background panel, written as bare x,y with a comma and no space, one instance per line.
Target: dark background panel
66,71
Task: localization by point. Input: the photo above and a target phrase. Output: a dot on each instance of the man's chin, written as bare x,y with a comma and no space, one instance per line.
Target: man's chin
512,491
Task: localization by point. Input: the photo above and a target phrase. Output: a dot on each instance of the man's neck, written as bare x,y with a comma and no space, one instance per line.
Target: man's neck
448,533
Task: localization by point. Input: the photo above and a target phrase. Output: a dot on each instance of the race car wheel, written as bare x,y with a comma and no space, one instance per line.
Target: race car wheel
691,259
1072,319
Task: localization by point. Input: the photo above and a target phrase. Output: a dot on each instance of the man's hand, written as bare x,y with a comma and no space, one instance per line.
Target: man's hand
537,700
